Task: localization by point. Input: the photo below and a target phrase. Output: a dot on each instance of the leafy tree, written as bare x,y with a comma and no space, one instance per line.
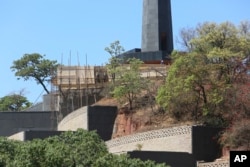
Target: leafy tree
70,149
191,90
186,35
111,160
35,66
236,135
130,82
80,148
244,29
30,153
14,102
8,150
209,37
199,82
114,50
223,38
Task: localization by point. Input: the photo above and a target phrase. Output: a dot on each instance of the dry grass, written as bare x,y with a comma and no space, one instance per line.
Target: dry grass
145,115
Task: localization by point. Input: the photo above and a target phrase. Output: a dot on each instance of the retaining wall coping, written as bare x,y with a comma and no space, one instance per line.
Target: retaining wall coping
224,163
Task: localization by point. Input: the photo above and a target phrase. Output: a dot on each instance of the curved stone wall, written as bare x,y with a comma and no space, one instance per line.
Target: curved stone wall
224,163
17,136
76,119
177,139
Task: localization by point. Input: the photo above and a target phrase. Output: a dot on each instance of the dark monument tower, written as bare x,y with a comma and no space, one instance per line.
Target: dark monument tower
157,36
157,26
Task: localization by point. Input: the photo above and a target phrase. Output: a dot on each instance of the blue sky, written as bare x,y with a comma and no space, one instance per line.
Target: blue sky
56,28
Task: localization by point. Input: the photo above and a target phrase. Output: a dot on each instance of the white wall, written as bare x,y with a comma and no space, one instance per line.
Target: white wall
76,119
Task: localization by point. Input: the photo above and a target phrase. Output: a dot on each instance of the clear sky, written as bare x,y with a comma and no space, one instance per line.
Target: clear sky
56,28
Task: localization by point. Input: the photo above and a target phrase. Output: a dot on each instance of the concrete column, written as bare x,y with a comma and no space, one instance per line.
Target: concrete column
157,26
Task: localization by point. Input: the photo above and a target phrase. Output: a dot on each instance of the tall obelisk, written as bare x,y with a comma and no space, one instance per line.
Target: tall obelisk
157,26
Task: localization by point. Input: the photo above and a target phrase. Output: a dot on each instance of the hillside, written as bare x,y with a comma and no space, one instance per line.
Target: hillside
145,116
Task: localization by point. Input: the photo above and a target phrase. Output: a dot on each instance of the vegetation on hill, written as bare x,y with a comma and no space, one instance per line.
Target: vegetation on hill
206,83
70,149
127,83
114,50
130,84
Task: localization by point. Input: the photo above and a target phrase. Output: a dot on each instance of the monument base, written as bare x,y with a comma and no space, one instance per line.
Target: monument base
153,57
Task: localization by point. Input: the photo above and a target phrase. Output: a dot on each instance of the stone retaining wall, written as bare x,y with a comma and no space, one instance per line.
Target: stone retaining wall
177,139
223,163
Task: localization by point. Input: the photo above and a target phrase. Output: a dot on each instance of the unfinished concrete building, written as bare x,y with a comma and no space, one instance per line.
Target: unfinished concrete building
77,86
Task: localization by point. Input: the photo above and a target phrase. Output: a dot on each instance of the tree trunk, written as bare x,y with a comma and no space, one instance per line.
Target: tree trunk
204,94
130,104
44,87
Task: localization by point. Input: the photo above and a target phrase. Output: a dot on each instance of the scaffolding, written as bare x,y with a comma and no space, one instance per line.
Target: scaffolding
76,86
79,86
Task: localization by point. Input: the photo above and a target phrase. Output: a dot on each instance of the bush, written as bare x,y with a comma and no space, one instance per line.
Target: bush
237,136
70,149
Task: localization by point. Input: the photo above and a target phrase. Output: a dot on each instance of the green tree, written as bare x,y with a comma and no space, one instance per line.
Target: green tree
244,29
130,83
8,150
80,148
115,49
209,37
192,91
35,66
215,38
111,160
30,154
199,82
70,149
14,102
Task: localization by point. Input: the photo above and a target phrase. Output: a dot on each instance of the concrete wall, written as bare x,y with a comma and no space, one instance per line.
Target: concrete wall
14,122
17,136
177,139
35,107
223,163
76,119
199,141
99,118
174,159
102,119
51,102
30,135
152,57
204,143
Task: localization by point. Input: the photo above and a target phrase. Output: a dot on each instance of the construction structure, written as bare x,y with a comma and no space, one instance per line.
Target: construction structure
77,86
